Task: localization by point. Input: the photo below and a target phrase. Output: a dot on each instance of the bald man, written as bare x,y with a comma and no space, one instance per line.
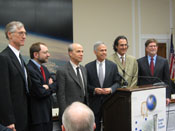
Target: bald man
77,117
72,80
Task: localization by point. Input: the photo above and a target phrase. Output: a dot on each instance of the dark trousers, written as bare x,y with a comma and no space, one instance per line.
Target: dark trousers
98,120
42,127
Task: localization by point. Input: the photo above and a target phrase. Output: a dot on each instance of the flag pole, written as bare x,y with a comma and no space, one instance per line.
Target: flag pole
171,30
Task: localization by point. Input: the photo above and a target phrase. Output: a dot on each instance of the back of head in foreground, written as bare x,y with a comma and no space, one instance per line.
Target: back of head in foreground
78,117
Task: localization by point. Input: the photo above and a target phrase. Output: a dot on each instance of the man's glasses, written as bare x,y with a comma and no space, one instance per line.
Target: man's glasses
21,33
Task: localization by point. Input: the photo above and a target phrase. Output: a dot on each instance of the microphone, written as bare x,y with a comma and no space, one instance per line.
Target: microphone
160,83
125,83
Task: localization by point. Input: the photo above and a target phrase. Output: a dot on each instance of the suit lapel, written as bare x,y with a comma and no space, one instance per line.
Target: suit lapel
119,64
147,67
94,69
72,73
107,71
84,76
156,65
15,61
36,69
127,63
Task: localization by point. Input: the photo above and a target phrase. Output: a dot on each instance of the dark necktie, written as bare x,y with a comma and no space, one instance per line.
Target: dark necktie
152,66
79,78
25,75
43,73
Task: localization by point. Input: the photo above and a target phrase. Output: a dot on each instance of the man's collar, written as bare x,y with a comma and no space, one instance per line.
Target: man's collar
14,49
98,62
74,65
149,57
36,63
120,55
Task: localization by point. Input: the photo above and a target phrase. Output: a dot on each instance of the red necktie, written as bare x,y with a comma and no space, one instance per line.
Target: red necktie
43,73
152,66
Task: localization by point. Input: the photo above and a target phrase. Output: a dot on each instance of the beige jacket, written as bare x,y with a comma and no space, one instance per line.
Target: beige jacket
130,68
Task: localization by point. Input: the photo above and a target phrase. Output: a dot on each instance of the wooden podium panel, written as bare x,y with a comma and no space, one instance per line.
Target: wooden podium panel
128,110
116,111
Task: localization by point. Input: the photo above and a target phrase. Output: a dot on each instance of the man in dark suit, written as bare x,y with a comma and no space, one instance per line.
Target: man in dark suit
153,68
41,89
72,80
14,80
3,128
103,79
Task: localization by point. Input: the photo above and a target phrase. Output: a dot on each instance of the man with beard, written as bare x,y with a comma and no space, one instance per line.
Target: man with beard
41,89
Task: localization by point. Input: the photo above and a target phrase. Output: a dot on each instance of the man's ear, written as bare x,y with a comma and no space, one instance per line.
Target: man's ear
62,127
35,54
94,126
9,34
95,52
70,53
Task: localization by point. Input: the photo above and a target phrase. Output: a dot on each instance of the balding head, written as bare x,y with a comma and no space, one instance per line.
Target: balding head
75,51
78,117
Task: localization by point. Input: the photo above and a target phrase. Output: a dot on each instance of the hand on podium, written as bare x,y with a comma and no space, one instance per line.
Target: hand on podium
167,101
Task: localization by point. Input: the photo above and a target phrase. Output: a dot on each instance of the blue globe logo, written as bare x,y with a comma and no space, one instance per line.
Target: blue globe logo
151,102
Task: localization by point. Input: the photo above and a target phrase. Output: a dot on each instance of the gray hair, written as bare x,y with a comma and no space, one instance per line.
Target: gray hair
70,48
97,44
78,117
12,27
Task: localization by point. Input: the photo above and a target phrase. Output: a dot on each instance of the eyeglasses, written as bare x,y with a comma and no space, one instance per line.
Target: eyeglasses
22,33
152,46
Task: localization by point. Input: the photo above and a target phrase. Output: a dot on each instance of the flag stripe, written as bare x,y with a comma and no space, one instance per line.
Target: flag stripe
172,61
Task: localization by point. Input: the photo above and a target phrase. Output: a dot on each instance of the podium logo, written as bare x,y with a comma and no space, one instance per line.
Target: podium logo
151,102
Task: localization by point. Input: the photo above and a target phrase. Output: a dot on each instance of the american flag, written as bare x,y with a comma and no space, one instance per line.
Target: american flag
172,60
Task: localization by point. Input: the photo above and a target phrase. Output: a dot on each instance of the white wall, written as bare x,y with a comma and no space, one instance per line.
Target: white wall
104,20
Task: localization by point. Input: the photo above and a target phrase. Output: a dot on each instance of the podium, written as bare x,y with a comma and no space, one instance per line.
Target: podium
138,109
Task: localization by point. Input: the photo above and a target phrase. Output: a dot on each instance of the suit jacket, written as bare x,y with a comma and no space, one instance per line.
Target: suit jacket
161,72
40,99
3,128
13,95
69,89
111,80
129,71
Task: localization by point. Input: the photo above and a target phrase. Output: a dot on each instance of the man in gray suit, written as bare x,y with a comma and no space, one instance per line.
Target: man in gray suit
71,80
103,79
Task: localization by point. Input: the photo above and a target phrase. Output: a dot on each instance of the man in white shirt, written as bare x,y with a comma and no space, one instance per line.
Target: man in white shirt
71,80
103,79
127,64
14,80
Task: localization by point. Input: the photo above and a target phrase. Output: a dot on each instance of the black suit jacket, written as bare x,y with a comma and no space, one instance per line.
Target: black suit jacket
112,80
13,96
69,89
161,72
40,99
